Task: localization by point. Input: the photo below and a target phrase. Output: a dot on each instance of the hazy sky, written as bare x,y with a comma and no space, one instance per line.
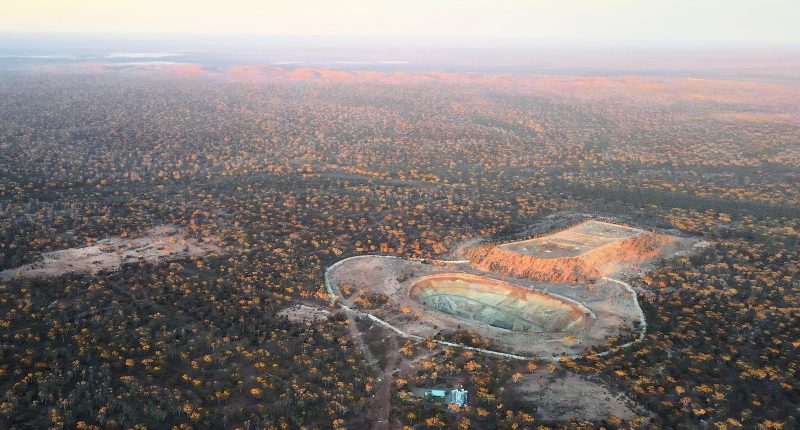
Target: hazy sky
753,21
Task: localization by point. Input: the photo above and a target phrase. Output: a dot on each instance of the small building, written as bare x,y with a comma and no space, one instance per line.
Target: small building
439,394
458,396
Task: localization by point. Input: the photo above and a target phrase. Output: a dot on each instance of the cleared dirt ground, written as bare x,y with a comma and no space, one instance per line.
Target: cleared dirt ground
564,397
301,313
162,243
573,241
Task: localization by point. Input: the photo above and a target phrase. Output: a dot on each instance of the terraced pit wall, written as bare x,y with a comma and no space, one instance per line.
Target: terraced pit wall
499,304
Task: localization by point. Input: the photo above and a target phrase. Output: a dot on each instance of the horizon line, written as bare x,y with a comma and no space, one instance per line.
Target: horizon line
372,39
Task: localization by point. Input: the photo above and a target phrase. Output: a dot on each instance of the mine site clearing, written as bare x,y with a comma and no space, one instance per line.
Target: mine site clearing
426,300
545,309
160,243
573,241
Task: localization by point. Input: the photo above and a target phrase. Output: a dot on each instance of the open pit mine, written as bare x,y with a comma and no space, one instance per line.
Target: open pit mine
542,297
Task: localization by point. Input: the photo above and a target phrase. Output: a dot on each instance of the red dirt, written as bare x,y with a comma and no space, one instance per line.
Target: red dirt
589,266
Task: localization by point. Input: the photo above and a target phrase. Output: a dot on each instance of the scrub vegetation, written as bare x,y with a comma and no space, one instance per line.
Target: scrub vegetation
287,171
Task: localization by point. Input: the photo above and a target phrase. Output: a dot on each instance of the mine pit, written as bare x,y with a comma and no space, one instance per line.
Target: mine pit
535,298
499,304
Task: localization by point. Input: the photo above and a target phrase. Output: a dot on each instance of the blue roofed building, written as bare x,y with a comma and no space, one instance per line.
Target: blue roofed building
458,396
436,393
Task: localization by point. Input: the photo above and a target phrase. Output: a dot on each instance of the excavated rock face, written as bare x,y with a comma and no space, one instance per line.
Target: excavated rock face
558,270
499,304
630,253
605,260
